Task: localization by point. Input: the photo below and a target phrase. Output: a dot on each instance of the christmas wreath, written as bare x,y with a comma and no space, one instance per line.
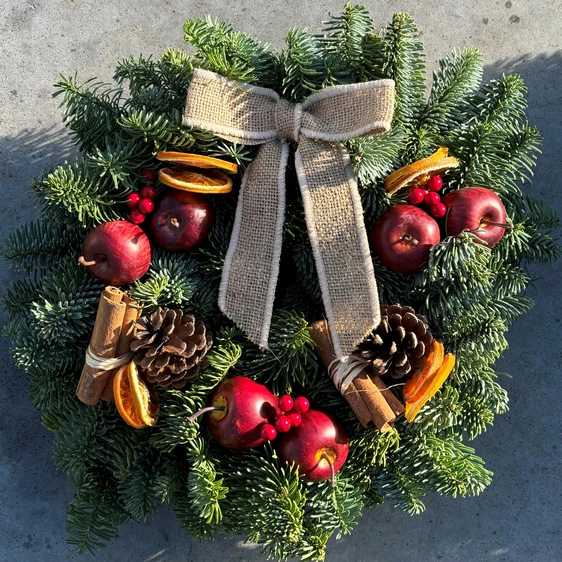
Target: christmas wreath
234,176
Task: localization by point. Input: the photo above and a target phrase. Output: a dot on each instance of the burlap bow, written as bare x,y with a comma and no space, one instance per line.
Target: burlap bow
252,115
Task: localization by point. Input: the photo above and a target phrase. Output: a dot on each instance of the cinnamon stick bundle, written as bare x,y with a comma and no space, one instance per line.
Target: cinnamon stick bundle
369,398
112,321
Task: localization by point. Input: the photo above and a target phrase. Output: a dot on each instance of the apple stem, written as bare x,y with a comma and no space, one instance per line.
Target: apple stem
507,226
332,472
175,222
192,418
82,261
410,240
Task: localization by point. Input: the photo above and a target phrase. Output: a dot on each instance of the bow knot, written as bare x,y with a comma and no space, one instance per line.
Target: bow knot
288,118
250,114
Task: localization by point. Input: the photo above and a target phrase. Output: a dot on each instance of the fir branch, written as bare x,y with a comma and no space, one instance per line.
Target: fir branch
290,358
342,40
376,58
458,76
233,54
38,246
91,110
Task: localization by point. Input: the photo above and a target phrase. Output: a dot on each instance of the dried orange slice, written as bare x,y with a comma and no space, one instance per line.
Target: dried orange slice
123,395
211,181
414,386
197,161
430,386
419,173
146,404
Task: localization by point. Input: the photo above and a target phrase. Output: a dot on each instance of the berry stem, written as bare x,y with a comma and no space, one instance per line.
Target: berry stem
82,261
332,472
409,239
507,226
192,418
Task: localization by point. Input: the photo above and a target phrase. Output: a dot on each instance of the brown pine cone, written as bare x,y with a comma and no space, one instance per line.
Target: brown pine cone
399,346
170,347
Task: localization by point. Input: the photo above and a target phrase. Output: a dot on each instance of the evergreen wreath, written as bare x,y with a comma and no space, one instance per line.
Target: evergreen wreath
469,293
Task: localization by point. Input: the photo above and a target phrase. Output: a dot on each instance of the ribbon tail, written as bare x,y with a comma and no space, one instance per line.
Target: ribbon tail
334,217
251,267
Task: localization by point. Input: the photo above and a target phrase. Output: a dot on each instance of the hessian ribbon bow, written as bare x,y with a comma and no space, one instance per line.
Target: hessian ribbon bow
249,114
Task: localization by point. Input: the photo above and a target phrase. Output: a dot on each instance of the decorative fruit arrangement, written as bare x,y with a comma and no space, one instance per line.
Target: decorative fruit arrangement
477,210
238,410
403,236
318,446
142,203
181,220
117,253
187,174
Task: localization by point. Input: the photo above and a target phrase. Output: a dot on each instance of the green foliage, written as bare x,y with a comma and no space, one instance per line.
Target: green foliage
470,293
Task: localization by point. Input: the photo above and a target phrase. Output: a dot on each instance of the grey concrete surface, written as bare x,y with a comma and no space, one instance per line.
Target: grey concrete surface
519,518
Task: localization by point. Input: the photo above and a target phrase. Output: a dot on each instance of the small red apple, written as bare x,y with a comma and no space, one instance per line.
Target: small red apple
181,220
403,236
318,442
241,409
117,253
478,210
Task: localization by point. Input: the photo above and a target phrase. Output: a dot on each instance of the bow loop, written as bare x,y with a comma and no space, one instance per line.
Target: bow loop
252,115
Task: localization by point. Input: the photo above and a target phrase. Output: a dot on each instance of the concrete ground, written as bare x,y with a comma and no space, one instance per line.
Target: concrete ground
519,518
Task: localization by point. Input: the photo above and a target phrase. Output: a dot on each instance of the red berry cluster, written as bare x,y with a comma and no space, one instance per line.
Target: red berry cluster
429,197
290,416
142,203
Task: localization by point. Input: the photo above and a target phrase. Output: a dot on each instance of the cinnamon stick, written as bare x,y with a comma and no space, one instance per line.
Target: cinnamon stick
397,406
128,328
362,394
103,343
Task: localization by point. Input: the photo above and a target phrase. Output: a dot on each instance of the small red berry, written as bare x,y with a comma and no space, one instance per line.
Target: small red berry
149,174
146,206
301,404
295,418
438,211
416,195
283,424
136,216
148,192
431,199
285,403
268,432
133,200
435,183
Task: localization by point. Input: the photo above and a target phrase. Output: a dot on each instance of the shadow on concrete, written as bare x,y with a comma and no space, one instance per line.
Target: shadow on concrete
517,518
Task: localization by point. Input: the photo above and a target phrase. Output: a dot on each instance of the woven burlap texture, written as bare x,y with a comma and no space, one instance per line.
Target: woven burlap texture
253,115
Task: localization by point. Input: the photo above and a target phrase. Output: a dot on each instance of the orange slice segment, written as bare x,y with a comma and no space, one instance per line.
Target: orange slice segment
197,161
414,386
146,404
432,384
211,181
124,399
420,172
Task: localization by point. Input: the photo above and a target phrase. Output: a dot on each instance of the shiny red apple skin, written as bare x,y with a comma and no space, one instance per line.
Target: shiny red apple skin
181,220
318,432
122,249
249,406
466,209
394,251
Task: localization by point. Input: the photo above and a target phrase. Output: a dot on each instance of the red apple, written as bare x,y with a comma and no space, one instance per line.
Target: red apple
181,220
403,236
117,253
243,408
478,210
319,440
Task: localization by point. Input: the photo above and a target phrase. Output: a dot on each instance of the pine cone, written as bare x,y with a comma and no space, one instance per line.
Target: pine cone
398,347
170,347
